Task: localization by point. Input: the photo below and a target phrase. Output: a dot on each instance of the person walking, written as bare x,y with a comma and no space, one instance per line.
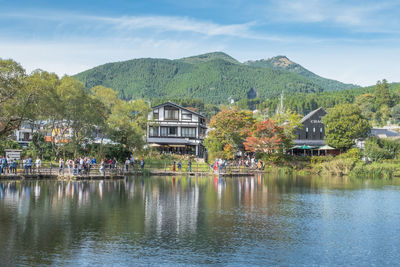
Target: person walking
173,166
189,165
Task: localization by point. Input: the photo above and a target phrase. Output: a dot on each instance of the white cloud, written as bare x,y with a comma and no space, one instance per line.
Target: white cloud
71,57
361,16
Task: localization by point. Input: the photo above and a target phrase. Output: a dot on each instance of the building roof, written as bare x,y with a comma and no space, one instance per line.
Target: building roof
300,142
384,133
161,140
309,115
169,103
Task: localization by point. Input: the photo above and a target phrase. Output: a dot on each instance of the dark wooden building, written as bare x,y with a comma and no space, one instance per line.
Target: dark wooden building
313,131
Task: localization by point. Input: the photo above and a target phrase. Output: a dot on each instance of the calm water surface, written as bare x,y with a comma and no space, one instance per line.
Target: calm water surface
266,220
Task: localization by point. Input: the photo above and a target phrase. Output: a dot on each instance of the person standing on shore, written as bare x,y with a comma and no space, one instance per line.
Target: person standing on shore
142,163
60,165
14,166
38,164
3,164
70,164
127,162
29,165
189,165
101,169
179,165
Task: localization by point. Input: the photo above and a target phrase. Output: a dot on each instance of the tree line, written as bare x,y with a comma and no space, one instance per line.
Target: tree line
69,113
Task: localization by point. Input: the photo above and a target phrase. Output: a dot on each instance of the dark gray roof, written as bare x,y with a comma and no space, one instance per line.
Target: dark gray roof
309,115
169,103
381,132
309,142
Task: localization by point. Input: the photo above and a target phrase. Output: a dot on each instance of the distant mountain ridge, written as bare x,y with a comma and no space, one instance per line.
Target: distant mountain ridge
285,64
212,77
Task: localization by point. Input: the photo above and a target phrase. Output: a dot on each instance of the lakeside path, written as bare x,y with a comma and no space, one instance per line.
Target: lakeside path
118,175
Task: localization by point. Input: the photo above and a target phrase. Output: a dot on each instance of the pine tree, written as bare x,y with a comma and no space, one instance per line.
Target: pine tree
382,94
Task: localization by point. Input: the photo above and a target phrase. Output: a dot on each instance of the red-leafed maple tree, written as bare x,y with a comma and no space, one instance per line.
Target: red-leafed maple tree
266,138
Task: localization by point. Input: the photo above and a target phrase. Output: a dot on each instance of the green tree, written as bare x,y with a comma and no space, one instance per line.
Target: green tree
382,115
366,102
127,123
396,114
343,125
290,121
14,96
382,94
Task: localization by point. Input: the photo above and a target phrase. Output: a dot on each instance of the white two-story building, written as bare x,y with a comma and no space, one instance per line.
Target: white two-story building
175,129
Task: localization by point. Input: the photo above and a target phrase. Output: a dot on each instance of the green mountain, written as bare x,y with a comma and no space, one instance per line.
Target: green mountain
213,77
285,64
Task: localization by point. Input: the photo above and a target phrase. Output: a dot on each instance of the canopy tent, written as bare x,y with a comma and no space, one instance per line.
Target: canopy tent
326,147
305,147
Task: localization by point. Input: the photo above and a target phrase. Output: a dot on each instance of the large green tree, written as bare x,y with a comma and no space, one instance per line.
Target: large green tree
14,96
343,125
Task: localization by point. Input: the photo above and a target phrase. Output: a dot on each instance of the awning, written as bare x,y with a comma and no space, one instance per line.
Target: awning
154,145
305,147
177,145
326,147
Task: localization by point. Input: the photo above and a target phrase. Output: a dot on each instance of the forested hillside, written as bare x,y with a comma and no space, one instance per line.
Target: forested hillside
283,63
304,103
213,78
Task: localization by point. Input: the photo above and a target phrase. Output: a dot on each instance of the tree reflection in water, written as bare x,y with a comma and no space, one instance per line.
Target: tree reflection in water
275,219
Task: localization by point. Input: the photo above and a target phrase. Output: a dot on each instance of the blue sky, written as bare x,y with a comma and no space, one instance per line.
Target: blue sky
351,41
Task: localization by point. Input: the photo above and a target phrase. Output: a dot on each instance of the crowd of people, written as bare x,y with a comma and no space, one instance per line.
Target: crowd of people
77,166
84,165
10,165
179,165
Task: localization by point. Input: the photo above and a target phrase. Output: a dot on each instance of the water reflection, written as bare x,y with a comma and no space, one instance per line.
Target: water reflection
292,220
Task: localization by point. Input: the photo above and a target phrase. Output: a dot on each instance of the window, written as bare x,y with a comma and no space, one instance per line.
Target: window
313,129
155,115
188,132
171,114
186,116
164,131
320,130
202,132
168,131
172,131
153,131
25,137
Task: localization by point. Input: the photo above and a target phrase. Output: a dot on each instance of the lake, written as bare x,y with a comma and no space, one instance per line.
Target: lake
265,220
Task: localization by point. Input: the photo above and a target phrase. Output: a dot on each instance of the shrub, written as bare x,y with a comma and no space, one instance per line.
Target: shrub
338,166
353,153
375,151
374,170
